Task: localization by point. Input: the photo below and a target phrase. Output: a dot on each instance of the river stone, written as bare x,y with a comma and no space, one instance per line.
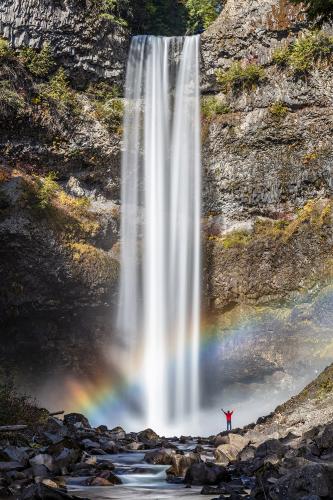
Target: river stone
164,456
206,473
148,435
13,465
43,459
76,419
117,433
226,453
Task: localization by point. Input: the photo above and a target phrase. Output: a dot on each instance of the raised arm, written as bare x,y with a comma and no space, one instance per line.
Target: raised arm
232,412
223,411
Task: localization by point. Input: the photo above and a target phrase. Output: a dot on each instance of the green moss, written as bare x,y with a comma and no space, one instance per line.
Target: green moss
278,110
307,51
240,77
233,239
211,106
39,63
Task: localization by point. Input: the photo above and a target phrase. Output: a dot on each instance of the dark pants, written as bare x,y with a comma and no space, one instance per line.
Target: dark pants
229,426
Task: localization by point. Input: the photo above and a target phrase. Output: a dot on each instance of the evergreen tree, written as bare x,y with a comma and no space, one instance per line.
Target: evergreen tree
320,11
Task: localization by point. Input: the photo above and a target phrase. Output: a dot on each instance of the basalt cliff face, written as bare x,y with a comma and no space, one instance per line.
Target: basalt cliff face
267,211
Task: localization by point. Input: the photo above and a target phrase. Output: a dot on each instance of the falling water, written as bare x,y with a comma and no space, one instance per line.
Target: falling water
159,304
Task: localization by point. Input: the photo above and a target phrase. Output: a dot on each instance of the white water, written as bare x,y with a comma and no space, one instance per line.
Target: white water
159,304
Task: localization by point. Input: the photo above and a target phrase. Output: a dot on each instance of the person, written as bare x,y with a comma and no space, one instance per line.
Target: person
228,415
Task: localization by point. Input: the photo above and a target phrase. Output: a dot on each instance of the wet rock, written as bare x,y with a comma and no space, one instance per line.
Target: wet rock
102,428
181,462
148,435
98,481
108,445
164,456
206,474
110,476
77,420
117,433
89,444
134,446
247,454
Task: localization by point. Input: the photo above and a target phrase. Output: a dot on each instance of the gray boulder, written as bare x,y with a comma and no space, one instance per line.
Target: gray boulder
77,420
206,474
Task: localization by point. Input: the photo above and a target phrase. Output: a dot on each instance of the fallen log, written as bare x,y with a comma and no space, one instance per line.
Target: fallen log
55,413
12,428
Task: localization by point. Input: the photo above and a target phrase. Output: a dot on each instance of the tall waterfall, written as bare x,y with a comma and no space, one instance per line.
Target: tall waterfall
159,300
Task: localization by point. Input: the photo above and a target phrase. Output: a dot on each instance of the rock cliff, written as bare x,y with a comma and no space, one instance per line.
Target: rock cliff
267,158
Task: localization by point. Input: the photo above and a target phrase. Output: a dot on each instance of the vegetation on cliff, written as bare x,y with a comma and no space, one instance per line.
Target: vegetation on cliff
320,11
161,17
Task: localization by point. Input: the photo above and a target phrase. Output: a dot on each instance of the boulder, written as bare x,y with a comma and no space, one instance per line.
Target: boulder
15,454
12,465
226,453
98,481
148,435
135,446
235,440
110,476
312,479
41,491
108,445
43,459
324,440
181,462
77,420
201,474
271,447
117,433
88,444
160,457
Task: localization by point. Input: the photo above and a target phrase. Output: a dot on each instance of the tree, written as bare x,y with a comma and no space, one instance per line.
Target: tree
320,11
201,14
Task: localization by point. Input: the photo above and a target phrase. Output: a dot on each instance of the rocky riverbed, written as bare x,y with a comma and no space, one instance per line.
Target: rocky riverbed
286,455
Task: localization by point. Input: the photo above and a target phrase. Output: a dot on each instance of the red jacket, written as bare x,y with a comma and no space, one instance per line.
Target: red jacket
228,415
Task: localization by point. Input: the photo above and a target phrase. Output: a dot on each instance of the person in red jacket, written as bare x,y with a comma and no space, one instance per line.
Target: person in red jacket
228,415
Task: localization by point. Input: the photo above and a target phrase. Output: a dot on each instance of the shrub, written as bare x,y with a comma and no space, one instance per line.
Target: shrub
16,408
78,205
240,77
320,11
5,51
278,110
111,113
281,56
307,50
201,13
211,106
47,188
103,91
10,99
59,90
38,63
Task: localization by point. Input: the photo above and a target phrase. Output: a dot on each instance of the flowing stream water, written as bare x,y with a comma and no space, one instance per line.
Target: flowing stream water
159,299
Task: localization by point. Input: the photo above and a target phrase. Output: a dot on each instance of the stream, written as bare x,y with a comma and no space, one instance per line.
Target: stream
139,480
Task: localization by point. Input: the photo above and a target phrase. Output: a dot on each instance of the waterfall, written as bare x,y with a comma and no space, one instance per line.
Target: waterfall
159,298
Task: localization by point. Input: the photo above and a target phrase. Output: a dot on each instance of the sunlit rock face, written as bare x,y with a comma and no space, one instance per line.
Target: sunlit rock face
90,47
